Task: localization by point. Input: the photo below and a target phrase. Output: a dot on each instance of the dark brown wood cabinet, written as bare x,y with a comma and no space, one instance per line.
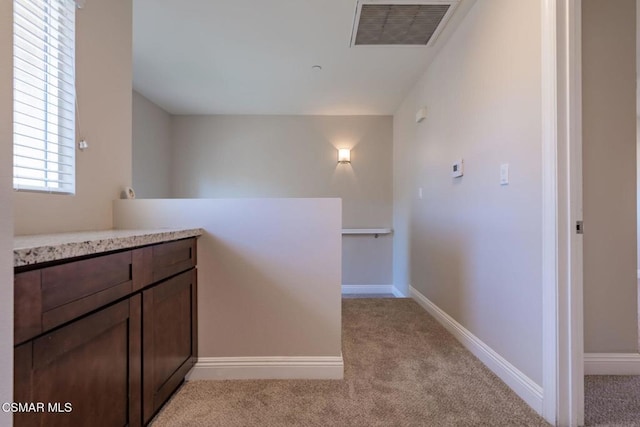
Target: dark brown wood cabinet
88,370
105,341
169,343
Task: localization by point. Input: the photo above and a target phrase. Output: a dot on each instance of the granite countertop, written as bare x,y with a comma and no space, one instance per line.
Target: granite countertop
28,250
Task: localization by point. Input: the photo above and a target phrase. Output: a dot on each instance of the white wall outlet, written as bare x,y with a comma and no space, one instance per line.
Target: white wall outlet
457,168
420,193
504,174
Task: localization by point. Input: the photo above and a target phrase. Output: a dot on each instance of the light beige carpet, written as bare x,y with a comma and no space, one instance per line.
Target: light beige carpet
401,369
612,400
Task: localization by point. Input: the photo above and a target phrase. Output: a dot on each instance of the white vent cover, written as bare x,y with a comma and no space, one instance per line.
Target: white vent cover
400,22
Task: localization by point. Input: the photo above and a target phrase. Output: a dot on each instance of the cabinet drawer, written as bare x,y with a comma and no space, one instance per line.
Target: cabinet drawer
73,289
27,302
172,258
51,296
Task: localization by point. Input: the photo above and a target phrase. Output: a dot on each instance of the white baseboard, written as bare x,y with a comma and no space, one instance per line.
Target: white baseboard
521,384
371,289
397,293
612,364
268,368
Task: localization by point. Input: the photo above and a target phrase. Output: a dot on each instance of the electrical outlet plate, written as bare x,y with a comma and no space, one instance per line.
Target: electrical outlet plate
457,168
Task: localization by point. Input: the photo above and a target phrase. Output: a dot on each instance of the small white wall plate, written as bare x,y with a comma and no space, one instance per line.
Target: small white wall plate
457,169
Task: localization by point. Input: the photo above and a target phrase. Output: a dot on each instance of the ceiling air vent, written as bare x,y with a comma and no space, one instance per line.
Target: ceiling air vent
397,22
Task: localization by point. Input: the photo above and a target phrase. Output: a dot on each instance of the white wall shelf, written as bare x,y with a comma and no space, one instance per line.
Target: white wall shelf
371,231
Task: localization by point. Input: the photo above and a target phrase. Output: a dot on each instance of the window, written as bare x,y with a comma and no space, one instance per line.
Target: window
44,95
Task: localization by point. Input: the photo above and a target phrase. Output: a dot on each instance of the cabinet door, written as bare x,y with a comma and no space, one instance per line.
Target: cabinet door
169,346
85,373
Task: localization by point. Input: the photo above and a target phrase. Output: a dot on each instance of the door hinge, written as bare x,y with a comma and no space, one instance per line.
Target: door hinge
579,227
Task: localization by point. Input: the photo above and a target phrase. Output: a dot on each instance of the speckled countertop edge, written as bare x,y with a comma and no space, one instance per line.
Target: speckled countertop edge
36,249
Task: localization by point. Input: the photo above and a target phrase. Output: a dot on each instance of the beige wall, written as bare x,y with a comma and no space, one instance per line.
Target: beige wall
474,246
151,149
609,175
268,271
367,260
287,156
296,156
103,73
6,214
405,188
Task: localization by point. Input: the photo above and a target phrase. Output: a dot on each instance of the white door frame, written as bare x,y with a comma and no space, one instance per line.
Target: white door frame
563,352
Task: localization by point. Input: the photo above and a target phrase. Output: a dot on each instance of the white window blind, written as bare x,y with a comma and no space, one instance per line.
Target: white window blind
44,95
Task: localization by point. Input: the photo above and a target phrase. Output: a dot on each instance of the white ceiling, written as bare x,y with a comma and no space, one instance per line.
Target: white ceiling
255,57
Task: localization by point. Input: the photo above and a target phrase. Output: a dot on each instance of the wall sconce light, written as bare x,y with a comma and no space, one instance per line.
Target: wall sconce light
344,155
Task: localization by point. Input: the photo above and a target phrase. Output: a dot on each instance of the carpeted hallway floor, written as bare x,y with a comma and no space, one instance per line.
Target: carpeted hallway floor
612,400
401,369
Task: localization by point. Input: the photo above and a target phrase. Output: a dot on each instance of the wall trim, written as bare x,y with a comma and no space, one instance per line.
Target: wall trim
562,293
521,384
268,368
397,293
372,289
612,364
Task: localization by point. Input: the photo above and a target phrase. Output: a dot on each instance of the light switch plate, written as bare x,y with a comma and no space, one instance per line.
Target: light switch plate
457,168
504,174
